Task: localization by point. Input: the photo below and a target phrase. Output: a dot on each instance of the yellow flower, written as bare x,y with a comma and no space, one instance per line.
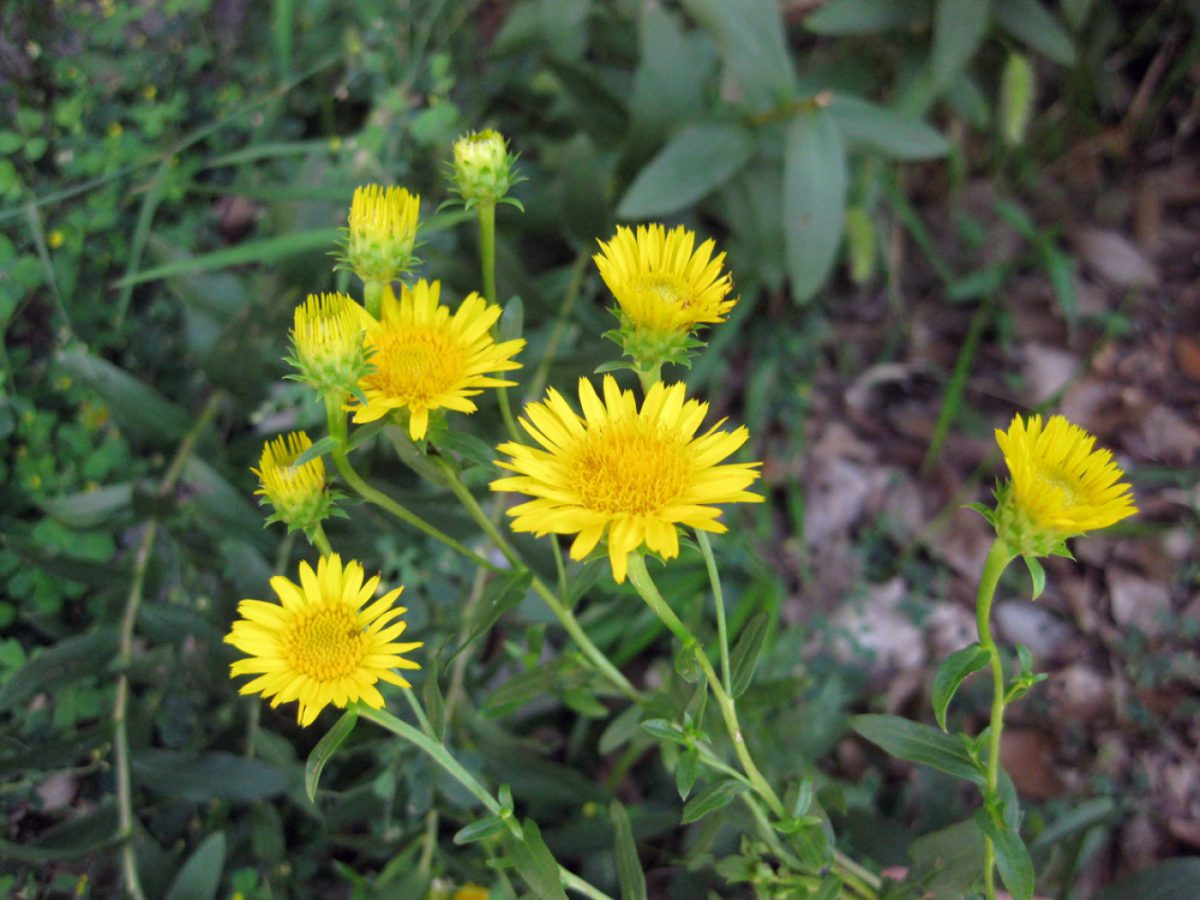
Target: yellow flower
424,358
471,892
633,474
1060,487
323,642
383,231
296,492
660,283
327,342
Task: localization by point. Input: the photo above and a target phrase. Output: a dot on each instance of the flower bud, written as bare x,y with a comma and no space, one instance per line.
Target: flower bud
382,232
483,170
297,493
327,343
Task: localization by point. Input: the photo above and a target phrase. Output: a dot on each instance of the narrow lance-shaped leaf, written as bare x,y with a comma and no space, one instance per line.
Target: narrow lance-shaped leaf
744,659
1012,857
200,877
920,744
536,864
814,200
958,27
629,868
326,747
709,800
951,673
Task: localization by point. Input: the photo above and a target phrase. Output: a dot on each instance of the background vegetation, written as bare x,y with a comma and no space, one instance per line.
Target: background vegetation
935,212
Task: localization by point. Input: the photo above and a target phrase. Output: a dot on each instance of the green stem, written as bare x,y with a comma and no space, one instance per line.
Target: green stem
337,430
649,377
486,213
641,580
133,602
440,755
714,578
998,558
320,541
373,296
564,615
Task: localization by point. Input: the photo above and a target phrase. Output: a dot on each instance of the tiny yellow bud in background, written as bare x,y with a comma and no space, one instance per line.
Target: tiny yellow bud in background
327,343
383,232
56,239
297,493
482,167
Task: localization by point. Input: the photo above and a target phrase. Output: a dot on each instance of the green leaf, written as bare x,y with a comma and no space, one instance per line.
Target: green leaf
502,594
716,796
1012,857
524,687
1168,880
1037,573
744,658
136,407
948,862
435,703
664,731
867,16
693,164
536,864
64,662
814,200
317,450
686,770
469,447
323,752
620,730
1016,98
951,673
480,829
1028,21
751,39
209,776
891,133
920,744
91,509
264,251
629,868
200,876
958,28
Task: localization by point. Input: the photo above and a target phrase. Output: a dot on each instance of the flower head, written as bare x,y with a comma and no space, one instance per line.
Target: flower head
297,493
327,342
1060,487
323,642
382,232
633,474
661,283
483,167
425,359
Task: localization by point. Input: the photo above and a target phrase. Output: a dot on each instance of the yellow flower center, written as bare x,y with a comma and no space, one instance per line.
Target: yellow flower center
325,643
669,289
629,469
415,364
1061,489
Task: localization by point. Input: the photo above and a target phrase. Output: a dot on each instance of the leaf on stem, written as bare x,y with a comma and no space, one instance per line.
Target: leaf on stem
629,868
323,752
920,744
715,796
951,673
744,659
1012,857
536,864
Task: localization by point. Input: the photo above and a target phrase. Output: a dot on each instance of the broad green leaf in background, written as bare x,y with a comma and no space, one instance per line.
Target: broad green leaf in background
1028,21
951,673
958,28
814,200
536,864
890,132
693,164
323,752
669,85
138,408
91,509
750,36
1012,857
867,16
62,663
1170,880
208,776
948,862
920,744
629,868
200,876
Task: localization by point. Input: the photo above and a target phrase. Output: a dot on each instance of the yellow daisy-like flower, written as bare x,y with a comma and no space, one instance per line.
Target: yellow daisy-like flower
323,642
1061,486
632,473
327,342
383,231
424,358
296,492
662,282
471,892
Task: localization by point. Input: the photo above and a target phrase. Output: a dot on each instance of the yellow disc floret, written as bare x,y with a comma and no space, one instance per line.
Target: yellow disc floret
630,474
324,641
424,358
1060,487
327,342
382,232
